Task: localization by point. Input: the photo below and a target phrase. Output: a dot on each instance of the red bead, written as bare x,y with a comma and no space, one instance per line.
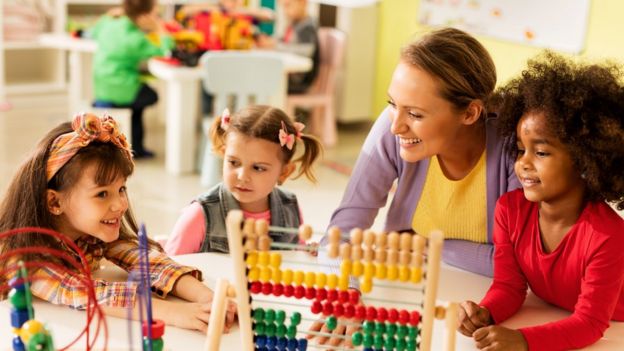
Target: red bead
310,293
343,296
382,314
321,294
349,311
332,295
371,313
414,318
328,308
360,312
299,291
267,288
354,297
316,307
338,309
256,287
278,289
393,315
289,290
158,328
403,317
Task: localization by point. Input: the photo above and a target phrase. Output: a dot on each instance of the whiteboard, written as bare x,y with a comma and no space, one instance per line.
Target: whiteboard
554,24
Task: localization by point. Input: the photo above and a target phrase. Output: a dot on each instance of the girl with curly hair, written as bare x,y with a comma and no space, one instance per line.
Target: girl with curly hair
558,235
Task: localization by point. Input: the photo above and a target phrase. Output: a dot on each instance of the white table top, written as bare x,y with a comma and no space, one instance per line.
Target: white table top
455,285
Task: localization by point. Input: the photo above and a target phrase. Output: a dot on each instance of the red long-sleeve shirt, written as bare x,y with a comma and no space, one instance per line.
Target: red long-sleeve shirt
584,274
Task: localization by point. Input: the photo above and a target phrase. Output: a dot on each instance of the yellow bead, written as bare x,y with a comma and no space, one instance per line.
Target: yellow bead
310,279
357,268
393,272
276,259
252,259
254,274
265,274
345,267
343,283
380,271
276,275
369,270
299,276
321,280
367,285
30,328
332,281
263,258
287,276
404,273
415,274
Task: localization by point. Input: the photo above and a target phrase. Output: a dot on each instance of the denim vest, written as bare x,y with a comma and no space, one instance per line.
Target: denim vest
218,201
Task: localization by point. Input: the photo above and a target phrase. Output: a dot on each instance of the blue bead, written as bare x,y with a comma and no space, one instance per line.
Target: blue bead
282,343
271,342
18,345
292,344
260,340
18,317
303,344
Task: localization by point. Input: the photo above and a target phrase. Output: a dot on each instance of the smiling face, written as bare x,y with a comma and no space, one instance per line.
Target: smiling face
544,166
90,209
425,123
252,167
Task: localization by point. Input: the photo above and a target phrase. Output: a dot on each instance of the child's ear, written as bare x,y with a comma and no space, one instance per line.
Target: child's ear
53,202
473,112
287,170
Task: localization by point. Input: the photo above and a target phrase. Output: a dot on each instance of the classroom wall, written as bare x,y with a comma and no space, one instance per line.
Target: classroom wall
398,23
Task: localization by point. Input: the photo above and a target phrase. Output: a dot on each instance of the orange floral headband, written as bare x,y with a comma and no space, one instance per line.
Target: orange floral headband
87,128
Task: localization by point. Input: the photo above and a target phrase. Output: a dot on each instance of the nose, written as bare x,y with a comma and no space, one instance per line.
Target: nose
120,203
243,174
398,125
523,161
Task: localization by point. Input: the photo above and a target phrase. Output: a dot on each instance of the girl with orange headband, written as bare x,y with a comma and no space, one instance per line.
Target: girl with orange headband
75,183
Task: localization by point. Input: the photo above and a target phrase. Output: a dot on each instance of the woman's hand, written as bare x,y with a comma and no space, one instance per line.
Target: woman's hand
495,338
472,317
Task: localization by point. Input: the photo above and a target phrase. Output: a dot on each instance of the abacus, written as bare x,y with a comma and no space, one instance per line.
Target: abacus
368,256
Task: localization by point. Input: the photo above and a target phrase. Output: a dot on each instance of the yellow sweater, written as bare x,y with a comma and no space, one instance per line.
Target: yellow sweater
458,208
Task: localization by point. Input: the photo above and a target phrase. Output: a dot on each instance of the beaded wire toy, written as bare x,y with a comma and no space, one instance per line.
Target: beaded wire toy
367,256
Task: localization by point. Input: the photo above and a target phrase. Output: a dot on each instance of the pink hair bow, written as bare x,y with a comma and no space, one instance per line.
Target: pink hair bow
289,139
225,119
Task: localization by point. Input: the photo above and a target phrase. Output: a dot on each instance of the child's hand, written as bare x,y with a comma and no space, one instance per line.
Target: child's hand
149,22
343,332
264,41
495,338
472,317
188,315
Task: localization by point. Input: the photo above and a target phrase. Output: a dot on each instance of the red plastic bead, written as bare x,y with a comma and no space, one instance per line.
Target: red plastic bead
414,318
328,308
354,297
255,288
278,289
332,295
371,313
349,311
310,293
289,290
343,296
360,312
267,288
158,328
321,294
316,307
338,309
404,317
299,291
393,315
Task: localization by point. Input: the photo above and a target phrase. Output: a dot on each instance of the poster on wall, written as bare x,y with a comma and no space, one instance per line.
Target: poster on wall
554,24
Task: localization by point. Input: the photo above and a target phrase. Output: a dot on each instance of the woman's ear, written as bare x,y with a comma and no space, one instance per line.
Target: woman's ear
53,202
473,112
287,170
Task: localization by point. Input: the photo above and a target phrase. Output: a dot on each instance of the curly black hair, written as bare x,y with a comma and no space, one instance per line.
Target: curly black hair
584,108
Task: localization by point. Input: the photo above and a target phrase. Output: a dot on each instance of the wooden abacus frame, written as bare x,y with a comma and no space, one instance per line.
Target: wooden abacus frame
244,236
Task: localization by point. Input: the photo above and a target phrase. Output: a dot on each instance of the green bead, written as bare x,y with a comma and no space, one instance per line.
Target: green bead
295,318
389,342
260,328
280,316
401,345
281,330
291,332
411,345
269,315
391,328
157,344
368,327
368,340
18,299
331,322
271,328
258,314
380,328
379,342
357,338
401,331
412,333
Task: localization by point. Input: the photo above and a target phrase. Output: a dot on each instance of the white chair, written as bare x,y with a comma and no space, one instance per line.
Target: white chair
236,79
